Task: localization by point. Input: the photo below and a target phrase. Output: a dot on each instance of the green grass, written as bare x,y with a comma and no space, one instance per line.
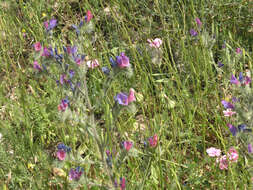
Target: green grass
188,76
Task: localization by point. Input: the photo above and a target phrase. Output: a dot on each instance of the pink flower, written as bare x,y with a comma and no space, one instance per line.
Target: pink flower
131,97
36,66
153,141
156,43
127,145
88,16
61,155
213,152
37,46
223,162
238,51
92,64
228,113
199,23
233,154
122,60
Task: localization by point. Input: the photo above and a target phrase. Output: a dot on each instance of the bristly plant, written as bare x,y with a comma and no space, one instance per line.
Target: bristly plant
69,69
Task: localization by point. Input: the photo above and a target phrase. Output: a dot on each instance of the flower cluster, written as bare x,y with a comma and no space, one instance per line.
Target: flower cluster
124,98
75,173
223,160
62,150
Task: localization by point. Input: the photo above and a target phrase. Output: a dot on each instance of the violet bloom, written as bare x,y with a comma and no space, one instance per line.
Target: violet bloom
36,66
220,64
127,145
232,129
227,105
49,25
63,105
122,60
122,183
213,152
124,98
193,32
247,80
45,52
153,141
250,148
199,23
63,79
75,174
233,155
37,46
106,70
234,80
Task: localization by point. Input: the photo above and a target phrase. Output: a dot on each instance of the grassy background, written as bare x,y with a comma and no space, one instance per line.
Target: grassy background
188,76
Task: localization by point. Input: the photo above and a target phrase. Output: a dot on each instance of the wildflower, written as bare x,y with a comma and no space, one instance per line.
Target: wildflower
220,64
37,46
62,150
238,51
232,129
233,155
234,99
156,43
36,66
49,25
124,99
70,50
250,148
75,174
199,23
122,60
92,64
88,16
113,62
228,113
71,73
193,32
127,145
63,105
213,152
63,79
227,105
153,141
106,70
223,162
234,80
122,183
45,52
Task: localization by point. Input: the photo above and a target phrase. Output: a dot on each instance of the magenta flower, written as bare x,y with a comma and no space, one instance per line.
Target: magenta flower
193,32
234,80
250,148
36,66
233,154
45,52
124,98
88,16
153,141
63,79
122,61
213,152
63,105
37,46
61,155
199,23
228,113
238,51
127,145
122,183
92,64
156,43
75,174
223,162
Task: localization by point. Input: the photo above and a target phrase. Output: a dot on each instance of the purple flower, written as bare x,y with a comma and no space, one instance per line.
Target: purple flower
36,66
250,148
63,79
123,60
232,129
234,99
220,64
63,105
75,174
45,52
234,80
193,32
227,105
106,70
62,146
71,73
113,62
199,23
121,98
238,51
51,24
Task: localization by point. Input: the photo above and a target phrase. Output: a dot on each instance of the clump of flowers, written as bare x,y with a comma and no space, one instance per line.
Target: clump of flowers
75,173
124,98
223,160
62,150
